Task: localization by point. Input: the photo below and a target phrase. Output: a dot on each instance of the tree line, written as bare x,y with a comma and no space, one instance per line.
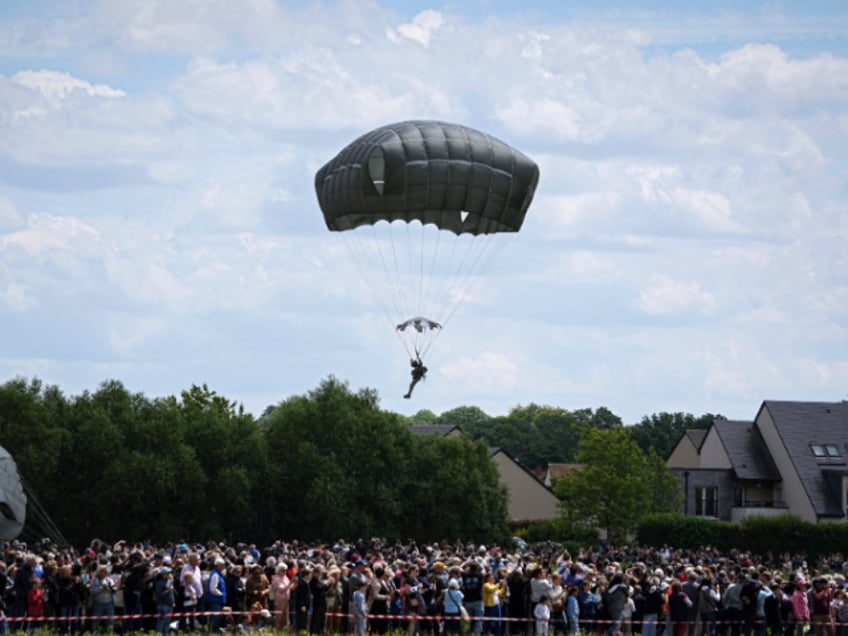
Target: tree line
541,435
331,463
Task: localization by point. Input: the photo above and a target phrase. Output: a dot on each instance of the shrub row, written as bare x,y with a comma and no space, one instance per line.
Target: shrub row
758,535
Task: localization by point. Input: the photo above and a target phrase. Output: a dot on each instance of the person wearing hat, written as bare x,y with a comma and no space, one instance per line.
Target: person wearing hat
216,594
800,606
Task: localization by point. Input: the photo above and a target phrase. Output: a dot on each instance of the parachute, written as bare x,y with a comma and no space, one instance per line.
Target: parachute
13,501
422,205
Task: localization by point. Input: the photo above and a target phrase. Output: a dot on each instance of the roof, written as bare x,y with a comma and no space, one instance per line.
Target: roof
561,470
433,429
749,458
497,450
696,436
803,424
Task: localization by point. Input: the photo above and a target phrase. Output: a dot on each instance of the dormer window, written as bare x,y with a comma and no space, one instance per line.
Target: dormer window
825,450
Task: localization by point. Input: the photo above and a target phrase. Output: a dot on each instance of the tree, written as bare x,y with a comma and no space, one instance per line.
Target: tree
341,466
661,431
457,480
468,418
336,464
534,434
617,485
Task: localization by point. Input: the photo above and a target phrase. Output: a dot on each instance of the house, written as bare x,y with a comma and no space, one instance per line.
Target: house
558,470
443,430
792,458
529,499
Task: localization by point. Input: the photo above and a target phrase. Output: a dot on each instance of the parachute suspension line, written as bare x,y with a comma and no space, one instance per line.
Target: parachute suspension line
421,278
368,258
475,262
39,525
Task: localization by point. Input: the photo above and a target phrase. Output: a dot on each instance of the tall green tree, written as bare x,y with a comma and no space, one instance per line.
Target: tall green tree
661,431
336,463
617,485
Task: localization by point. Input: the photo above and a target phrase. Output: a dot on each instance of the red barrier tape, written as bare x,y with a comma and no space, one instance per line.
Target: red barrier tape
402,617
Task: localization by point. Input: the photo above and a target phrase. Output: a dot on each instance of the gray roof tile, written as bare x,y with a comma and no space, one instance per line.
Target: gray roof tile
746,450
801,424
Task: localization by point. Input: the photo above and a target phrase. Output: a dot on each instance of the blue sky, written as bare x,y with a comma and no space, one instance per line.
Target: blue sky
686,249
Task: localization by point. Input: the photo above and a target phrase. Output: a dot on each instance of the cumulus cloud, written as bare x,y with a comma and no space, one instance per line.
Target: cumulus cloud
502,373
421,28
169,185
15,298
664,295
46,234
10,218
57,86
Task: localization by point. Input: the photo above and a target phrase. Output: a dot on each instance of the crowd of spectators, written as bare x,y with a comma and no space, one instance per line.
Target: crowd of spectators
439,588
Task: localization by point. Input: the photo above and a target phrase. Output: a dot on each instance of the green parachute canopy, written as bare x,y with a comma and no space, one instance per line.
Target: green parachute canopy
454,177
422,206
13,501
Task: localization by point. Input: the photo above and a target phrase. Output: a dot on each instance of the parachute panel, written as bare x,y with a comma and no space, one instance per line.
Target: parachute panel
13,501
432,171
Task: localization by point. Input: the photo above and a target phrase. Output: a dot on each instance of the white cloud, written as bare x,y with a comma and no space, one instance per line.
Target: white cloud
421,28
10,218
16,298
57,86
664,295
501,372
45,234
156,165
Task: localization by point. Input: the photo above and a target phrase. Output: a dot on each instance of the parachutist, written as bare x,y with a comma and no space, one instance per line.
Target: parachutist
418,372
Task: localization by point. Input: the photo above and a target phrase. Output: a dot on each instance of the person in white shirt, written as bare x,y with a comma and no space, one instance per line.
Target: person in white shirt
542,614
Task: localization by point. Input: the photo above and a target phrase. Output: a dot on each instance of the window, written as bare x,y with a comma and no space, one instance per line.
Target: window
706,501
825,450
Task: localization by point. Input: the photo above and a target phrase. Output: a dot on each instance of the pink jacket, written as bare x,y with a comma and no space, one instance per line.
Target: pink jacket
800,608
281,587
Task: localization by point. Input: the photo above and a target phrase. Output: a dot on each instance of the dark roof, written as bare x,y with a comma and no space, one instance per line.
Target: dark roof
560,470
749,458
696,435
802,424
433,429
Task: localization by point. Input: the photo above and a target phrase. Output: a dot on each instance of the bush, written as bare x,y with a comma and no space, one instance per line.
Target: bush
559,531
687,532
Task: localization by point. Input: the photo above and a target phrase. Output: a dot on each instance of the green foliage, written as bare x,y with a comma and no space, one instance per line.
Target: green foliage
617,486
115,464
787,533
687,532
661,431
760,535
535,435
559,531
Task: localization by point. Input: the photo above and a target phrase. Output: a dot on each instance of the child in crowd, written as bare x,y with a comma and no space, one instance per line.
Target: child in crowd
572,610
35,604
542,614
360,609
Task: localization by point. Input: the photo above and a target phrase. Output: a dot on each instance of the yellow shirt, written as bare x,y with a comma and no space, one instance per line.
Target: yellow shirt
490,594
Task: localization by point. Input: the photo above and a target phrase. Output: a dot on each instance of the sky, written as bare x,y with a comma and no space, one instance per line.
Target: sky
686,249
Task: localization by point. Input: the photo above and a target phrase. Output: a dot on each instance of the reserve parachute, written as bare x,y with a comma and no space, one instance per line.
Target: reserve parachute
422,206
13,501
